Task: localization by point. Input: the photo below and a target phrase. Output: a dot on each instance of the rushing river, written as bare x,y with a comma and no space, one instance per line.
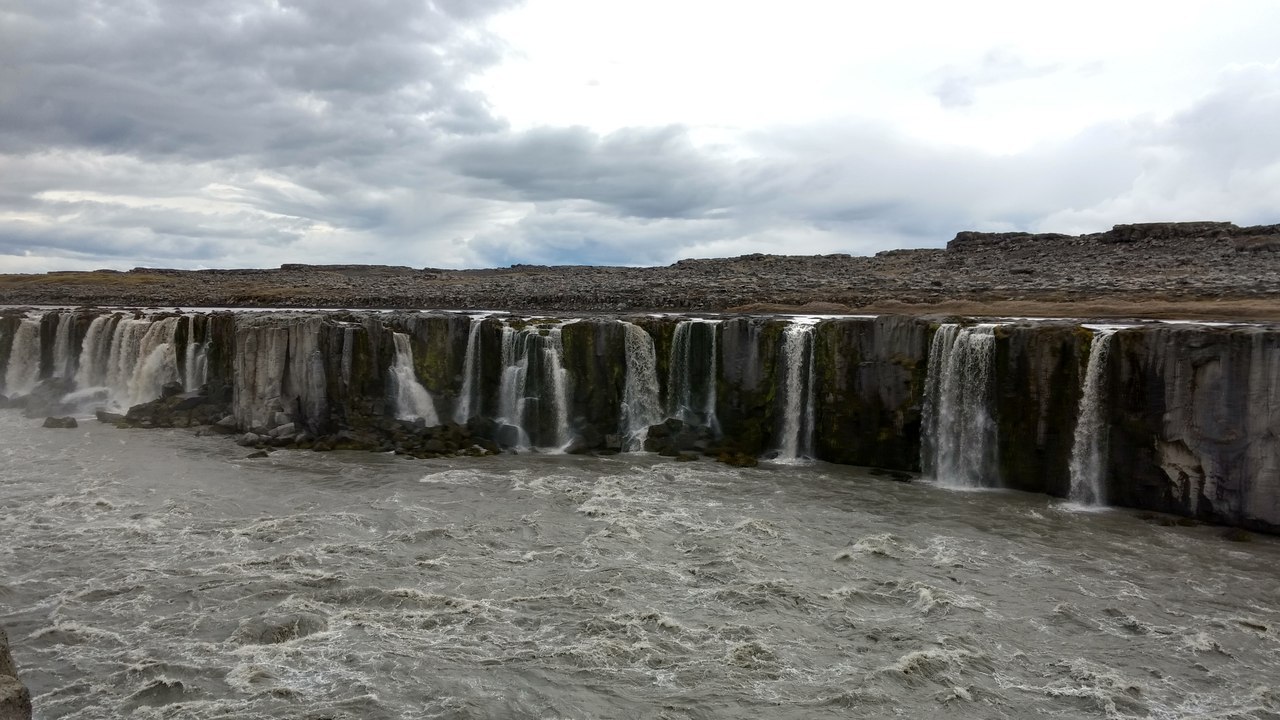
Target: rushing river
160,574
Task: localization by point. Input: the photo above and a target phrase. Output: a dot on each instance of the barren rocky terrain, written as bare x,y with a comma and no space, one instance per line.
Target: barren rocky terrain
1203,270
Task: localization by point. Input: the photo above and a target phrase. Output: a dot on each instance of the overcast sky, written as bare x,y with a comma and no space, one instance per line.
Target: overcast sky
472,133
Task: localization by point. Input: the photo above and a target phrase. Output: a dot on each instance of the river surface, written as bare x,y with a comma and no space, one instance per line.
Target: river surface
160,574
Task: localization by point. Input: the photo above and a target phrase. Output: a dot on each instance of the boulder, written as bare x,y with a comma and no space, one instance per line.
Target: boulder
60,422
46,398
109,418
171,389
15,699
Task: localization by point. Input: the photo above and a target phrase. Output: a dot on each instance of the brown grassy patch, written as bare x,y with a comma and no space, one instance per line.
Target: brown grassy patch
102,279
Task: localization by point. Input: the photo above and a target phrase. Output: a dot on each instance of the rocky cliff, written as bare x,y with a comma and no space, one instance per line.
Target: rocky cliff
1177,418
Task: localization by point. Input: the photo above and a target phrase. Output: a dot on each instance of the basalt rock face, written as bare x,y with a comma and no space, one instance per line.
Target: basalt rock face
872,374
1037,381
1188,413
1194,423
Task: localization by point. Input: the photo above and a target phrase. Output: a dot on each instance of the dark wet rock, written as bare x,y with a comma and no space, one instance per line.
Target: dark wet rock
171,389
15,699
738,459
109,418
276,629
175,410
895,475
46,398
1237,535
257,455
673,436
60,422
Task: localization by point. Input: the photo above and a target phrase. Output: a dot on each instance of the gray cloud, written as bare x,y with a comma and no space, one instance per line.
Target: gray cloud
187,133
645,173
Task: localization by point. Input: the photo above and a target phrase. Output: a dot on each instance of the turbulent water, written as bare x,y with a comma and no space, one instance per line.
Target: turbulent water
157,574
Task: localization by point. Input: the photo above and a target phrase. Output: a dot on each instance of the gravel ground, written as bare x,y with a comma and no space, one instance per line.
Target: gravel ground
1194,270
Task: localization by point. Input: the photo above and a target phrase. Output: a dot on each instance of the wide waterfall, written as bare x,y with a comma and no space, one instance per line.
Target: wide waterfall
23,372
533,403
641,405
412,400
691,377
958,447
1192,429
469,396
796,437
1089,451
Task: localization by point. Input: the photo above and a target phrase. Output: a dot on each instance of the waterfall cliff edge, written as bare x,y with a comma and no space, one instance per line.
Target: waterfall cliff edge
1173,417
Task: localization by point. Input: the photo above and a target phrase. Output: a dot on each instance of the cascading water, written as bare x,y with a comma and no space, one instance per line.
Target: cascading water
641,405
23,373
157,362
412,401
468,397
126,346
691,379
1089,451
196,367
64,360
95,351
796,438
533,404
348,355
958,445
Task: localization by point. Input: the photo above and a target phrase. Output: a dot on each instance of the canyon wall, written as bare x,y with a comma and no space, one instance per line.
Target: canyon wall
1176,418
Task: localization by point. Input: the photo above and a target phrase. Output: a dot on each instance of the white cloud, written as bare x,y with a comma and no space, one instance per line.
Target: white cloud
453,134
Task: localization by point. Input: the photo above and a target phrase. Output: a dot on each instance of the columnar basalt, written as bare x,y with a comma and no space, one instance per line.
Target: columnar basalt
1186,413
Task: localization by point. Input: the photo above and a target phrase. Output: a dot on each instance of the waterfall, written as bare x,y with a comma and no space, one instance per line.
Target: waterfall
1089,451
95,351
156,362
348,355
958,444
796,438
412,401
533,394
691,378
468,398
196,368
64,359
23,373
641,406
